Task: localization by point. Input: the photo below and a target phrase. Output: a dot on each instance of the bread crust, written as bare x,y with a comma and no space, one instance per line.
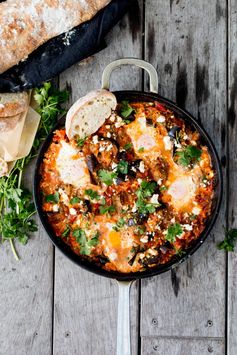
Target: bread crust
26,24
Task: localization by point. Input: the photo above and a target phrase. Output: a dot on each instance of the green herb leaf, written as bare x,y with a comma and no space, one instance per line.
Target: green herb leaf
75,200
92,194
122,167
126,109
141,149
119,224
107,176
81,141
128,146
66,232
228,244
52,198
146,189
163,188
173,231
85,244
188,155
107,209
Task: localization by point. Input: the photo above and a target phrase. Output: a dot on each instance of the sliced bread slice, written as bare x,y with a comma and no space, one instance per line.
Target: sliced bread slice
89,113
12,104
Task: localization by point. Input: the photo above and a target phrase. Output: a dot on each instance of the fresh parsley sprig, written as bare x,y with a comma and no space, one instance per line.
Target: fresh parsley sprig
126,110
146,189
16,205
188,155
174,230
228,244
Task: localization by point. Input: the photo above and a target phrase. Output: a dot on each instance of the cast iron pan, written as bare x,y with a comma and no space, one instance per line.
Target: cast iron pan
123,332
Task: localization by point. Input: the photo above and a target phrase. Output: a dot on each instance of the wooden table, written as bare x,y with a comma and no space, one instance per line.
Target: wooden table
48,305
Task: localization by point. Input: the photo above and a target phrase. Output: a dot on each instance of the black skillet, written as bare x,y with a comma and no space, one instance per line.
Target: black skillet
125,280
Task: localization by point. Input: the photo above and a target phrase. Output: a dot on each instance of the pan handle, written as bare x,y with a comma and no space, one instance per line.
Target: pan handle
123,325
131,61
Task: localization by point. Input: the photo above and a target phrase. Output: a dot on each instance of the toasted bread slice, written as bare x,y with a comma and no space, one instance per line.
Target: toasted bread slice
9,123
89,113
11,104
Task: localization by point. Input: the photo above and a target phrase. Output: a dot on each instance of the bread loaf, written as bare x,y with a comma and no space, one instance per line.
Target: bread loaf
26,24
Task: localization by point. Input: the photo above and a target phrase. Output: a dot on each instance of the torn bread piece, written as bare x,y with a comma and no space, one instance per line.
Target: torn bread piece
89,113
12,104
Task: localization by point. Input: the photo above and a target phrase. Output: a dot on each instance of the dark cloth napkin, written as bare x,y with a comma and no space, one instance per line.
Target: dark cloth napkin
61,52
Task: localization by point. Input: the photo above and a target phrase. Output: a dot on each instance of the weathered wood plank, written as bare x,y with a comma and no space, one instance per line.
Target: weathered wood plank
160,346
86,304
186,41
232,192
26,295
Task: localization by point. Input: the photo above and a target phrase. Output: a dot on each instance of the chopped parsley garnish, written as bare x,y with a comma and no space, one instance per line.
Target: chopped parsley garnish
188,155
163,188
107,209
126,109
75,200
141,149
85,244
173,231
228,244
128,146
92,194
52,198
107,176
119,224
141,230
66,232
122,167
146,190
81,141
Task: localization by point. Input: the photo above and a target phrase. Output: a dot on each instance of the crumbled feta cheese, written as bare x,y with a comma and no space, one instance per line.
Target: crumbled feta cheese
196,210
110,146
139,181
133,169
185,137
142,167
152,251
134,209
95,139
159,182
113,256
55,208
188,227
107,126
114,165
160,119
144,239
112,117
108,135
1,106
141,256
154,199
172,220
64,196
72,211
101,149
167,142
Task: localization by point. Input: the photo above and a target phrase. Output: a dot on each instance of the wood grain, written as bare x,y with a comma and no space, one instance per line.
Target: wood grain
189,52
232,191
85,312
26,294
161,346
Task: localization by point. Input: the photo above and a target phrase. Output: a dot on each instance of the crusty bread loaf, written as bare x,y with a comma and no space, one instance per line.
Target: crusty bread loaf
26,24
89,113
11,104
9,123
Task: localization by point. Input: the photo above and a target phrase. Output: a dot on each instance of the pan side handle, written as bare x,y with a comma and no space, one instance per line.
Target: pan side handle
131,61
123,325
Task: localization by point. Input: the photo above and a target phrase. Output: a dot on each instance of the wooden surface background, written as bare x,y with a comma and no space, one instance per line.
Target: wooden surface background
48,305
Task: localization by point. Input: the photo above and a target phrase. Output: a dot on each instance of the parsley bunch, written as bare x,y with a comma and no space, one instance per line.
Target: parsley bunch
16,205
85,244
